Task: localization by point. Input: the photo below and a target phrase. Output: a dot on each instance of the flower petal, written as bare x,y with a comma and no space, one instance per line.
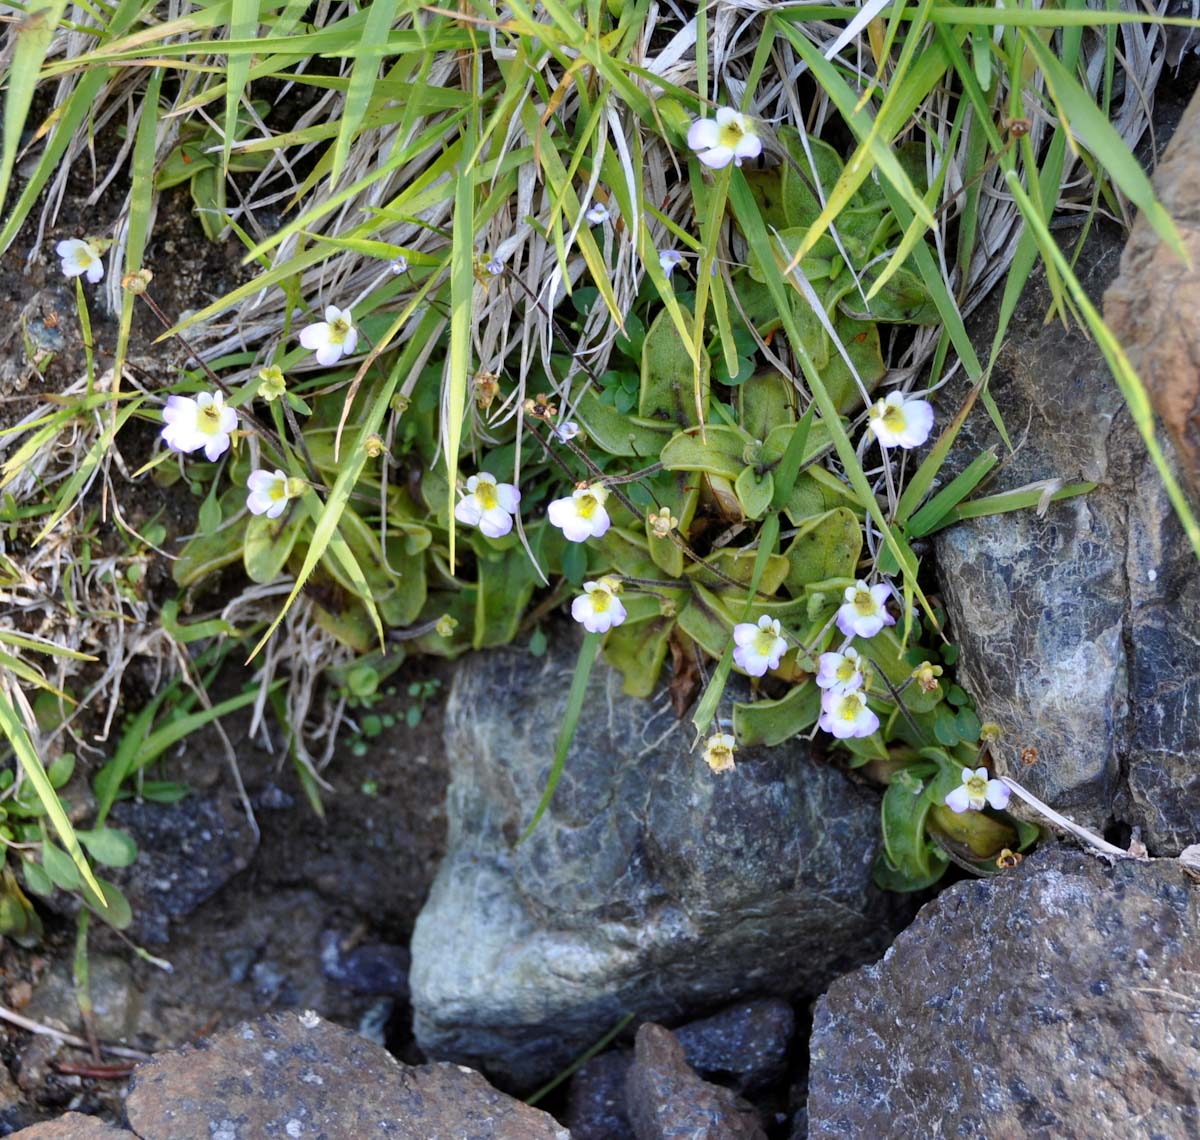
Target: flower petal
704,133
958,800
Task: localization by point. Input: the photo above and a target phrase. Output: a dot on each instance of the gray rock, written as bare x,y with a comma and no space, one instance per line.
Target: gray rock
651,883
744,1046
596,1104
1076,626
72,1126
187,851
297,1076
116,1001
666,1100
1056,1001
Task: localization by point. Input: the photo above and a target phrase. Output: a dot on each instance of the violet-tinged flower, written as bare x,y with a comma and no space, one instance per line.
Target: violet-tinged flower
204,422
846,714
398,264
269,493
976,790
582,516
80,258
669,260
598,609
758,647
840,672
718,752
565,431
899,421
494,266
863,612
730,137
488,505
597,214
332,338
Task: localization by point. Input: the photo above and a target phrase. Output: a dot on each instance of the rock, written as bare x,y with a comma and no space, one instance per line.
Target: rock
1152,305
1055,1001
666,1100
650,884
596,1104
15,1110
116,1001
72,1126
379,968
187,851
1075,626
744,1046
297,1076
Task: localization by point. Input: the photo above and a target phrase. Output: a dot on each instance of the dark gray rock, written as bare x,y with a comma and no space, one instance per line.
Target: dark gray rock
744,1046
187,851
666,1100
651,883
1056,1001
596,1104
1076,627
72,1126
299,1077
378,968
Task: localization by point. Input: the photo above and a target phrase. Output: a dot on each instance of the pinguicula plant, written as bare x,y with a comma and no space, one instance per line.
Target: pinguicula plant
735,296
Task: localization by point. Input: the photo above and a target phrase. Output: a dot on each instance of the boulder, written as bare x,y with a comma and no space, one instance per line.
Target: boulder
294,1075
73,1126
1058,1000
651,884
1075,623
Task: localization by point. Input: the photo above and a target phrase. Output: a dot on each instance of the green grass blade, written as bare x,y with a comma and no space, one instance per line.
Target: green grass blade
14,730
371,49
930,516
1122,369
1022,499
30,40
1079,113
243,22
588,652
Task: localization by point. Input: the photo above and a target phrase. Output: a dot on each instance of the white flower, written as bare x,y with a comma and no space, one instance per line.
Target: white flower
718,752
269,493
728,138
862,614
597,214
840,672
399,264
582,516
897,421
846,714
976,790
204,422
759,647
80,258
567,430
599,609
669,259
488,505
332,338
